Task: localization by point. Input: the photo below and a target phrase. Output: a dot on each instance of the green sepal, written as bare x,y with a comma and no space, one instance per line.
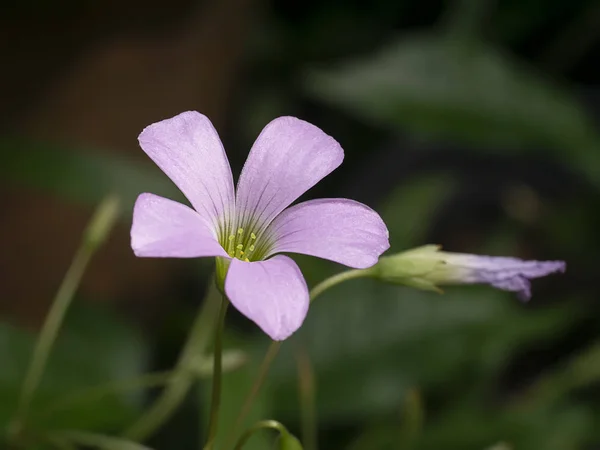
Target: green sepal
415,268
222,266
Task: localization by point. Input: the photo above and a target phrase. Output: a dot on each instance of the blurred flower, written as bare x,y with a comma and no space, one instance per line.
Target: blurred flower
248,228
427,268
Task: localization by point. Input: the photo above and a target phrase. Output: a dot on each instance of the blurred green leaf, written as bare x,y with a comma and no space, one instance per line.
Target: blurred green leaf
566,428
580,371
81,175
93,348
472,93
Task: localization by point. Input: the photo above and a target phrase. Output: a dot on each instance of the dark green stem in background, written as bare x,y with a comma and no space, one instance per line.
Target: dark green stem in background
307,394
217,375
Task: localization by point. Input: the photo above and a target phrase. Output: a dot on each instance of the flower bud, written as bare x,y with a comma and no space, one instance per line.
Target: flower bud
427,268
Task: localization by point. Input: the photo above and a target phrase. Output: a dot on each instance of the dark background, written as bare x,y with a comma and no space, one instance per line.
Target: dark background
467,123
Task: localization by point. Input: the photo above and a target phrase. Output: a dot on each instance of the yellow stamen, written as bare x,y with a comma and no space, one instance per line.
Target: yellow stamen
230,245
246,259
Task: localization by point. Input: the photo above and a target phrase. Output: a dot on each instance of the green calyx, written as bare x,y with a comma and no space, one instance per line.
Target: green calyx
421,268
222,266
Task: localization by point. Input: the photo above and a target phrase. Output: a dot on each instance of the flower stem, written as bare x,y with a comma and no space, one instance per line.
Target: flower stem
215,402
337,279
308,410
175,392
276,345
94,235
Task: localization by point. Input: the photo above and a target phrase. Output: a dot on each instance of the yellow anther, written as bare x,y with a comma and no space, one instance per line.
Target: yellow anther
241,252
239,246
251,248
246,259
231,237
240,231
232,254
252,236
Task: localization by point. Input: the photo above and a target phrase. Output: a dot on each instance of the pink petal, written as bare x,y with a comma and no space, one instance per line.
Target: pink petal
340,230
271,293
509,274
289,157
164,228
188,149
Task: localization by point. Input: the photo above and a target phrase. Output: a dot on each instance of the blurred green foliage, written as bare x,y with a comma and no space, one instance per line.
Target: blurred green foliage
395,368
94,348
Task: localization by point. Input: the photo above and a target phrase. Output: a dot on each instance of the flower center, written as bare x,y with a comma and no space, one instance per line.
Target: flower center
243,246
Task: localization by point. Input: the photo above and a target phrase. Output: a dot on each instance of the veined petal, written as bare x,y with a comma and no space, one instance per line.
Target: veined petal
289,157
340,230
164,228
510,274
271,293
188,149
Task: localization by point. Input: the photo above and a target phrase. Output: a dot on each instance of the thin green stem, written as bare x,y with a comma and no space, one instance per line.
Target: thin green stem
96,232
50,330
175,392
337,279
276,345
308,409
215,403
264,424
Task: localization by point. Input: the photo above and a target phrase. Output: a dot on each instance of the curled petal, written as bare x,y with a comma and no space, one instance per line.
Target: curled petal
188,149
340,230
510,274
289,157
164,228
271,293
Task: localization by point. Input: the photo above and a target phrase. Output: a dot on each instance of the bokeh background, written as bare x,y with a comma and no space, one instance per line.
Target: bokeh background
467,123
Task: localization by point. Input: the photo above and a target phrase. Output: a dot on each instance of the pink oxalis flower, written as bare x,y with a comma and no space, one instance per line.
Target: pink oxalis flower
250,225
